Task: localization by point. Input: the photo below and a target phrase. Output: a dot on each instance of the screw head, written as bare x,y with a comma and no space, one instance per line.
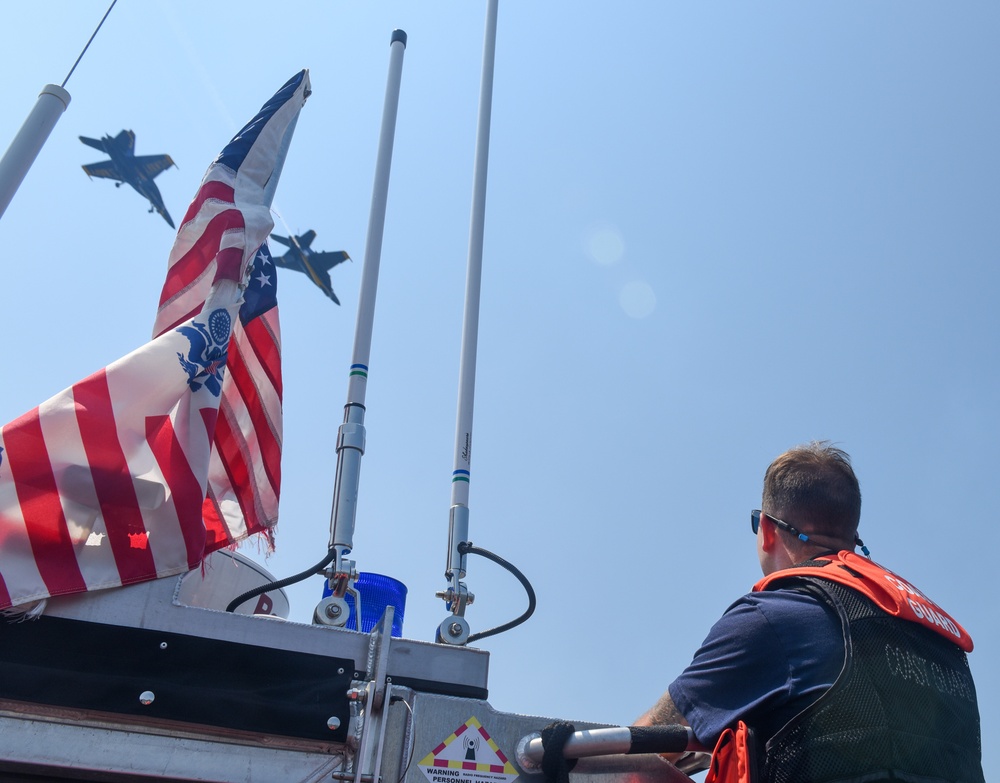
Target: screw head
146,698
333,611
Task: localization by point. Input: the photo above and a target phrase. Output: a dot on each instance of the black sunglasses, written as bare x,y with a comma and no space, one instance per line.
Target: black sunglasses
756,514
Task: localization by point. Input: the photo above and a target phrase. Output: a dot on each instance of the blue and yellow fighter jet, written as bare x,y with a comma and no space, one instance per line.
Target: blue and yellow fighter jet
315,264
125,166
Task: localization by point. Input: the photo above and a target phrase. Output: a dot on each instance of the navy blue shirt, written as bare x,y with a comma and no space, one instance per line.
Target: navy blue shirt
770,656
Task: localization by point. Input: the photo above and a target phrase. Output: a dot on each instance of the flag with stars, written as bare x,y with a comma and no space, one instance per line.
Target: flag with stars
171,452
245,471
244,479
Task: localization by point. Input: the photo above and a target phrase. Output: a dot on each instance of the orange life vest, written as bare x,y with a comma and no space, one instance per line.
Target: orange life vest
892,594
732,758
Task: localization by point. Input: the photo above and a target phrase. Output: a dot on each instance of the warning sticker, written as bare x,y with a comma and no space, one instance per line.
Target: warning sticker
469,755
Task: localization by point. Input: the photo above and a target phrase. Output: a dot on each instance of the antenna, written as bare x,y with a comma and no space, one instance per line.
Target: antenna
92,37
342,574
455,629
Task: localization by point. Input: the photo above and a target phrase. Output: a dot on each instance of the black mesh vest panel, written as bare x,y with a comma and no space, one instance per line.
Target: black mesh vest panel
903,708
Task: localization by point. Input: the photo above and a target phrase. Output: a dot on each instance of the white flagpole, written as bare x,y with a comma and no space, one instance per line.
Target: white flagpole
351,435
455,629
52,102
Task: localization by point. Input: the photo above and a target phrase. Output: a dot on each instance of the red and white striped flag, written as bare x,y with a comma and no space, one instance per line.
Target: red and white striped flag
105,484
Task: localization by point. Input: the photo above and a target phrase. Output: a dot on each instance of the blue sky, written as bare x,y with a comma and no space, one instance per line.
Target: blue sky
714,231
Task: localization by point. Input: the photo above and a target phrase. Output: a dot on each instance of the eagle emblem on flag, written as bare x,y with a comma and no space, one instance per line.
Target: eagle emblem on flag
205,363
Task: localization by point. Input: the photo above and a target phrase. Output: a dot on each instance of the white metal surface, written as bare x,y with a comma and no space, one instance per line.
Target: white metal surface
225,575
51,103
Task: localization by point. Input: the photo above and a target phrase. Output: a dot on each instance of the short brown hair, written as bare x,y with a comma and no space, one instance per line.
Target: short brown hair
815,486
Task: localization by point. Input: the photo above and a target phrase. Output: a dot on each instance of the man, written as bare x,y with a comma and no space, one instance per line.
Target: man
832,668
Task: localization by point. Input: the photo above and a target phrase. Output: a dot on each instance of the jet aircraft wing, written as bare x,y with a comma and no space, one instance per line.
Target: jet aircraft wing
106,169
327,260
151,165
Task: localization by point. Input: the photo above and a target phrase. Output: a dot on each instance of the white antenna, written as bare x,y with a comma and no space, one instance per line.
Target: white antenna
351,435
455,629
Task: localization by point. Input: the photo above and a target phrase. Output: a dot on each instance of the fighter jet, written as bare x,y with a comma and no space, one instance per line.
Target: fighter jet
125,166
316,265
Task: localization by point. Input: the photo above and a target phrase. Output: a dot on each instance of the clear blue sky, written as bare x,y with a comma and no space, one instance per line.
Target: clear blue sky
714,230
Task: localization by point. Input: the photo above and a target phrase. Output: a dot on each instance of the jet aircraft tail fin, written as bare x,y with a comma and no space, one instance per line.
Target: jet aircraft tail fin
126,141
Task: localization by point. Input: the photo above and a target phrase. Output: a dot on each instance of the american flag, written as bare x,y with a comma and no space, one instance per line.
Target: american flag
245,470
105,484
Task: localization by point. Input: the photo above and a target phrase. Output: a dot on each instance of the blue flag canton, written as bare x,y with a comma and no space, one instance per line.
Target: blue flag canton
205,363
239,147
261,293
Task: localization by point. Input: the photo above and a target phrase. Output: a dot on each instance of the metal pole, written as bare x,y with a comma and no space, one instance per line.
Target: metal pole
52,102
455,629
351,435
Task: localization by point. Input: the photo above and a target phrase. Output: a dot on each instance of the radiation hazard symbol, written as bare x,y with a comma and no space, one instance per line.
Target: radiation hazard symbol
469,755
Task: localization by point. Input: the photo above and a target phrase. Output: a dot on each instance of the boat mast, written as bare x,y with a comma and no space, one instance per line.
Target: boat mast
351,435
455,629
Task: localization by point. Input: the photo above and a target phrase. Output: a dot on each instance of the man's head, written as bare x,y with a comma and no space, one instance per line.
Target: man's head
812,488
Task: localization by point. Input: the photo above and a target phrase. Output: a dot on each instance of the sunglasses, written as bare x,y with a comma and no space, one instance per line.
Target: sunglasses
756,514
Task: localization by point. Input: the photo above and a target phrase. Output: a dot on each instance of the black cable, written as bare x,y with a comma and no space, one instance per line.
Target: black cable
469,548
288,580
94,35
463,548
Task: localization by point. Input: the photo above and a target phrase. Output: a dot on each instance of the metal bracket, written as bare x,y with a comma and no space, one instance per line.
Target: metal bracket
379,642
455,629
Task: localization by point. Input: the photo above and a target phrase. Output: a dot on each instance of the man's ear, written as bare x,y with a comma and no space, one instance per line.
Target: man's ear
769,533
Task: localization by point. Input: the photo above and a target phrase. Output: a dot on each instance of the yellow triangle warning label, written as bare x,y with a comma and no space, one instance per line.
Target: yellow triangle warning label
469,755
